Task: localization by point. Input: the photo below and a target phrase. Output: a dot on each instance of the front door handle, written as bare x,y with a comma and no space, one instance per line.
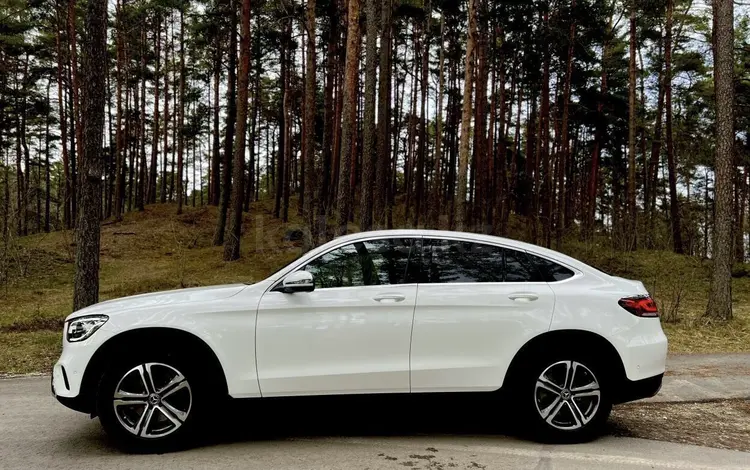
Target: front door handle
523,297
389,298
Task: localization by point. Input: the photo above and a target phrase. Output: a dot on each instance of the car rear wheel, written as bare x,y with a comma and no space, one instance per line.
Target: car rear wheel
150,405
566,399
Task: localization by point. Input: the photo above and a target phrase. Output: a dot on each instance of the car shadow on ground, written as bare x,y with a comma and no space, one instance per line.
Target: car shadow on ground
364,416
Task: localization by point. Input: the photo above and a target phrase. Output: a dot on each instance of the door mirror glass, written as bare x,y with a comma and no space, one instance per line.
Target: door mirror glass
299,281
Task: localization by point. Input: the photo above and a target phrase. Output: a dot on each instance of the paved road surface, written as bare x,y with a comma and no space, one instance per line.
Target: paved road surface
699,377
36,432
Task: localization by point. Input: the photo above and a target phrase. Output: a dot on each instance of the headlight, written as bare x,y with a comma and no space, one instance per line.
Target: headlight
82,327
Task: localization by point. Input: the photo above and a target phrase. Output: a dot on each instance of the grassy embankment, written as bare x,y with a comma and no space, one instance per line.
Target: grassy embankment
157,250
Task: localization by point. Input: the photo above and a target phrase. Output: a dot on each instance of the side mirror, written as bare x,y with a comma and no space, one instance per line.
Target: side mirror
299,281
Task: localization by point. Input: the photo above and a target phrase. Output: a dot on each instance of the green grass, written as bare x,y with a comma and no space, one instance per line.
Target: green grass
157,250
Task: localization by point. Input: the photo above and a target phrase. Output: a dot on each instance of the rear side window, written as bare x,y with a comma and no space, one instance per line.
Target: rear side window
550,271
454,261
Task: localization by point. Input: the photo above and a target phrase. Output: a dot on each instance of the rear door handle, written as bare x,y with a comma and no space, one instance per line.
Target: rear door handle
523,297
389,298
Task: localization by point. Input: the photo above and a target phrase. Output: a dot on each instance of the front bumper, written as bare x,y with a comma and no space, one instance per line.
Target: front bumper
631,390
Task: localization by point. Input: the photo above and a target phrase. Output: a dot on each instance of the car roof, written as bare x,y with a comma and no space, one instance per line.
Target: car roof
536,249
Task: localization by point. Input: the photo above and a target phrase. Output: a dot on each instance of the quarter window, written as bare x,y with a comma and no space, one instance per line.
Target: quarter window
519,269
551,271
365,263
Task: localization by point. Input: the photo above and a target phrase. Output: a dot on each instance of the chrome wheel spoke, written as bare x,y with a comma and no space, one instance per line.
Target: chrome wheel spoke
131,402
570,373
122,395
548,385
553,414
171,414
546,412
592,386
174,388
593,393
577,414
144,422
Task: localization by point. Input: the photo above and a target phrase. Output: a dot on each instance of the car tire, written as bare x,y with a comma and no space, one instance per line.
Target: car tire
565,398
152,403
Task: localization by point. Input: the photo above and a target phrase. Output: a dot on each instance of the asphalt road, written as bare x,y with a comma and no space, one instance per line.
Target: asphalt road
37,432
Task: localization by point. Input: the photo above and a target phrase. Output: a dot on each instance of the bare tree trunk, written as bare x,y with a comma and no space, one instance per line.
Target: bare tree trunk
369,155
232,244
163,189
310,173
433,218
61,59
674,206
463,166
141,189
87,234
349,126
720,295
631,239
226,176
181,116
151,199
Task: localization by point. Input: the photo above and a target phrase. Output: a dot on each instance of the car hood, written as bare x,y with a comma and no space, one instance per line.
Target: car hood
159,299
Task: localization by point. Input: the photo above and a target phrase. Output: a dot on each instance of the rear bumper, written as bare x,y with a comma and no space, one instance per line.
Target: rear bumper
632,390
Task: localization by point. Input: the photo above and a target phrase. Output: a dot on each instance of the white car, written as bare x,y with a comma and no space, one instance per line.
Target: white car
391,312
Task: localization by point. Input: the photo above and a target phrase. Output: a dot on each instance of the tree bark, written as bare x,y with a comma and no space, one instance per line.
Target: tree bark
463,166
674,206
226,176
369,155
310,173
232,244
433,216
181,116
631,239
155,137
349,126
87,234
720,295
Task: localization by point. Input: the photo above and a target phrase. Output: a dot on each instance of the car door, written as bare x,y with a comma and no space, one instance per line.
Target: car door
477,305
351,334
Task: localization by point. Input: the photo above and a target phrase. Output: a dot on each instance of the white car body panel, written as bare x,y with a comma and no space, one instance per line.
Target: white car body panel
442,337
335,341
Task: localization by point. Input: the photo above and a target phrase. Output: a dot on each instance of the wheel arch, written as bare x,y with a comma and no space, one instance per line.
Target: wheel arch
185,341
585,341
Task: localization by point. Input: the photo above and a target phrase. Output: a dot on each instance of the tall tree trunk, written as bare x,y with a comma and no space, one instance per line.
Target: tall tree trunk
463,166
87,234
384,116
565,140
181,116
369,155
424,87
286,104
226,176
543,142
349,126
433,217
281,163
310,174
631,239
216,153
674,206
155,137
232,244
653,166
119,132
142,173
163,189
720,295
62,59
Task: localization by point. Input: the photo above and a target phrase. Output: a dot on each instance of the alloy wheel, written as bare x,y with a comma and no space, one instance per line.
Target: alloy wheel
567,395
152,400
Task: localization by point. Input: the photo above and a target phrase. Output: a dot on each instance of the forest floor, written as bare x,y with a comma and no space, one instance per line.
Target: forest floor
158,250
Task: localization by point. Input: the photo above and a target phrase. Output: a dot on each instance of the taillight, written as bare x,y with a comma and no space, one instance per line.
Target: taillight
642,306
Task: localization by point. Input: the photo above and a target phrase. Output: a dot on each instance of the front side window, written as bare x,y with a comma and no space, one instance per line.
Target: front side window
365,263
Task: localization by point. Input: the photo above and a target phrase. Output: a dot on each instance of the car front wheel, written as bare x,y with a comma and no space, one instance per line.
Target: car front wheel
149,405
567,399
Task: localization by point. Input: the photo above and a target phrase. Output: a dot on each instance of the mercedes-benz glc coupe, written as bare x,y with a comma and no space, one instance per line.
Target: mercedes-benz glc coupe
391,312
